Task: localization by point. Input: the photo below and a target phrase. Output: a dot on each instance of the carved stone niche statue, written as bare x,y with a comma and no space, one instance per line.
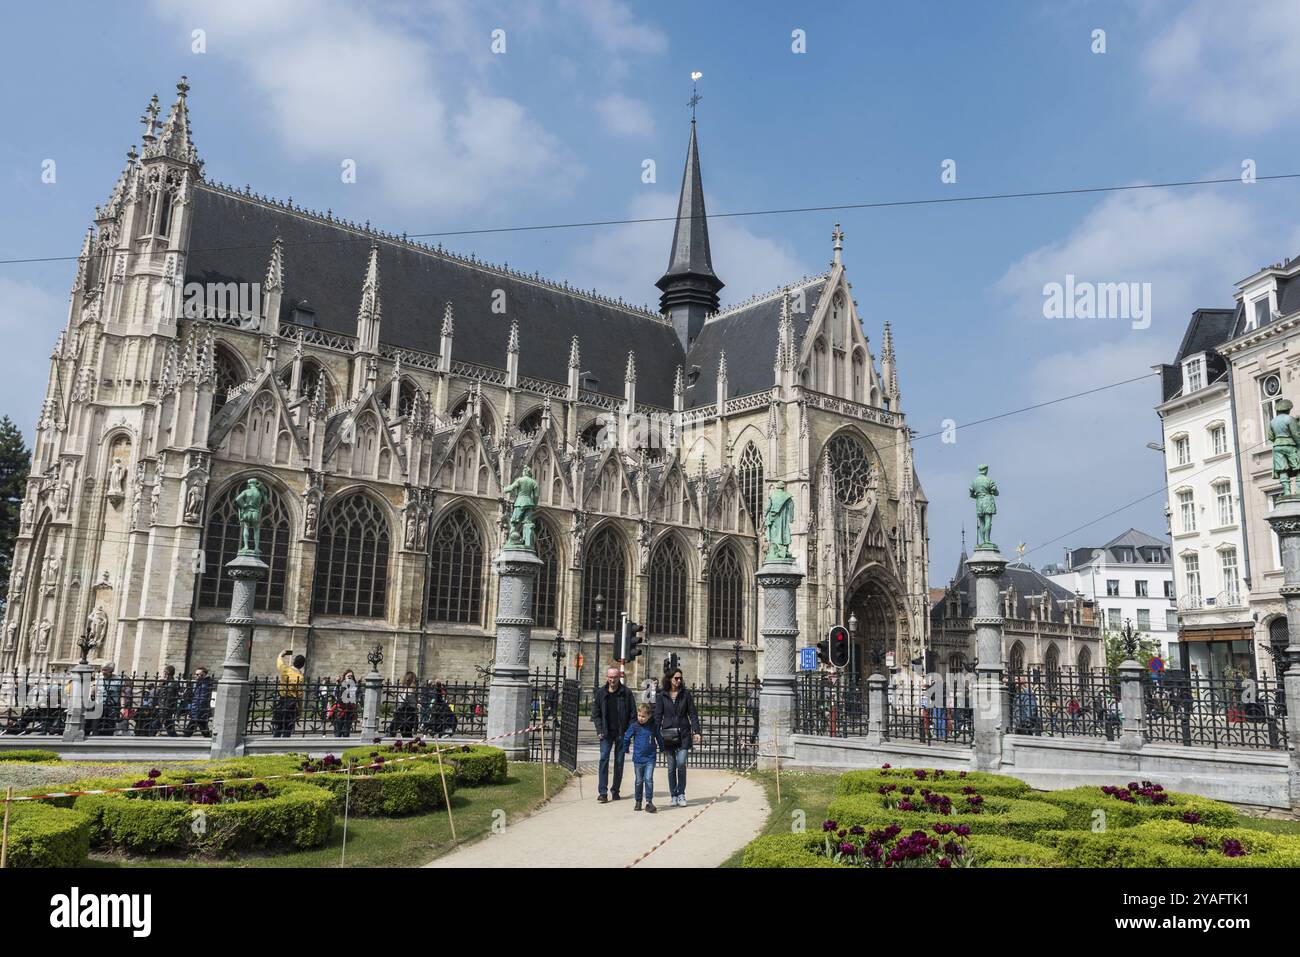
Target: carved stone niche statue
309,518
116,491
412,528
28,513
42,630
11,634
193,502
97,624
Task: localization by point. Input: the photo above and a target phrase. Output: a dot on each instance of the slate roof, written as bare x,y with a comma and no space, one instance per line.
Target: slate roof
690,254
325,263
1028,584
1140,542
1207,330
748,334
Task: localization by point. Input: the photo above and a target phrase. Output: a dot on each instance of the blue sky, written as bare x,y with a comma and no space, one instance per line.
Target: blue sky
448,135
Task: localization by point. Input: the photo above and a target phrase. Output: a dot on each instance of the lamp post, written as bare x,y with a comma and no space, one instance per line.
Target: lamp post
853,645
600,617
86,644
1130,640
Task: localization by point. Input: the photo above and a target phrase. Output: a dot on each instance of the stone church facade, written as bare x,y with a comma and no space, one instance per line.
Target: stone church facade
384,392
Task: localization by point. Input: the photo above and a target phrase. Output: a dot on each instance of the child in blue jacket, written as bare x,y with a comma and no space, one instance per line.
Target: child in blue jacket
645,736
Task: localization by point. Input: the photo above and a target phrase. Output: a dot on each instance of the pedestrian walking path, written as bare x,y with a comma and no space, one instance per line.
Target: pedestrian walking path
574,830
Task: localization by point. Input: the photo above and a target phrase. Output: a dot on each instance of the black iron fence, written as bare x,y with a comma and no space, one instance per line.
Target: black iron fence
33,703
933,710
728,724
835,705
1214,712
146,705
1065,702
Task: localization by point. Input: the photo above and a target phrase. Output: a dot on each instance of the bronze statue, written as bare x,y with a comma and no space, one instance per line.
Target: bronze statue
984,490
249,502
778,518
1284,432
524,489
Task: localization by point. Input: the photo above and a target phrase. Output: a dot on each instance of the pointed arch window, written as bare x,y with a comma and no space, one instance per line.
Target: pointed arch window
726,596
667,612
1017,658
1053,659
456,570
546,594
221,544
405,398
1085,660
313,375
352,568
229,374
604,573
751,482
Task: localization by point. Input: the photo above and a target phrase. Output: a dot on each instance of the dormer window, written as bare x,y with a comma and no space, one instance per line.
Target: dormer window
303,314
1193,375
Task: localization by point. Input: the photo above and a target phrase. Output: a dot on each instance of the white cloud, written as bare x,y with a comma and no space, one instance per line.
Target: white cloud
616,28
25,307
625,116
626,260
1233,66
339,82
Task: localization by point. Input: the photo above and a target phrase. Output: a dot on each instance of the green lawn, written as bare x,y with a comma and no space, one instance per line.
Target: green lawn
395,842
812,792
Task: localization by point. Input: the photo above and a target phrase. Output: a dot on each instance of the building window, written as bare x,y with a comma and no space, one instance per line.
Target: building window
1192,580
1193,374
456,570
1231,588
1218,440
751,482
352,570
1112,587
1053,659
726,596
1017,658
1270,390
1140,589
1223,503
1169,588
1186,511
1112,619
667,606
850,468
604,573
229,375
1182,450
545,595
1171,620
221,544
1144,619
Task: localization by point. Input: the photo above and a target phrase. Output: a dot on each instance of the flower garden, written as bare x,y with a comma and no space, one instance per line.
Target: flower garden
928,818
266,804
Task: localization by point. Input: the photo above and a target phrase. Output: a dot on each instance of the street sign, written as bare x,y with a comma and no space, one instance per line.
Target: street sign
1156,665
807,659
889,659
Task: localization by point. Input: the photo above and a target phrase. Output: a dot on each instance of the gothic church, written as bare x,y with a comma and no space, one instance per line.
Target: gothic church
384,392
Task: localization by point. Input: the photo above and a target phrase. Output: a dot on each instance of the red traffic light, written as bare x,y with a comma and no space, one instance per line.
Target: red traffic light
839,650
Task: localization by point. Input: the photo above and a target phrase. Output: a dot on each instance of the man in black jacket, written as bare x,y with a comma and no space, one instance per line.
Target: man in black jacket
613,709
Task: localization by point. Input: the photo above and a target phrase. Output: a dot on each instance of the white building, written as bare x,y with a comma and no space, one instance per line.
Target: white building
1200,439
1129,578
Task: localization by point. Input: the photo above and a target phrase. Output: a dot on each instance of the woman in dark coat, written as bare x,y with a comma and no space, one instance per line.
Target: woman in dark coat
679,726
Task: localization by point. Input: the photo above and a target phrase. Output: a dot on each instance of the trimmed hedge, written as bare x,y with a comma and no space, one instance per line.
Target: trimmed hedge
1011,817
410,790
44,836
801,850
949,782
293,815
33,757
1171,844
475,764
1080,803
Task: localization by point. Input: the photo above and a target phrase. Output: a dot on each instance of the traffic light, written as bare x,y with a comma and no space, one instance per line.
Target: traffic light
671,663
628,645
839,642
824,652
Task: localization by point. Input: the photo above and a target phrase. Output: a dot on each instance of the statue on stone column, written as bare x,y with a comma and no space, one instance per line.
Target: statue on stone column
778,519
249,502
97,626
984,490
524,490
1284,432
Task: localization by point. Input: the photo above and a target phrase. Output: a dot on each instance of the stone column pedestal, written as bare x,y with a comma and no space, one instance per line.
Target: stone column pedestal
230,716
372,686
987,565
1131,705
80,710
1285,520
509,696
877,704
778,582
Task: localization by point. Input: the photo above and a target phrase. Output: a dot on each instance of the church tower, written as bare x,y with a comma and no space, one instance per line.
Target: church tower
689,288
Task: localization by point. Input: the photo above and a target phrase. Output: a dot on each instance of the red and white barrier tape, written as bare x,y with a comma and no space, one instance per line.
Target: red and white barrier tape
677,830
437,750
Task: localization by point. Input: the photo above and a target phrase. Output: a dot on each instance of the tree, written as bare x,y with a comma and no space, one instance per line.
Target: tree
1116,653
15,463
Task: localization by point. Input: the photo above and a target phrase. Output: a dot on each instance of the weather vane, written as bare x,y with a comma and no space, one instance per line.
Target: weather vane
695,95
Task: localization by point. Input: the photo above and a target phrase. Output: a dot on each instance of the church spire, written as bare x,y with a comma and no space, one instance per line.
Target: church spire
175,140
370,313
689,287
